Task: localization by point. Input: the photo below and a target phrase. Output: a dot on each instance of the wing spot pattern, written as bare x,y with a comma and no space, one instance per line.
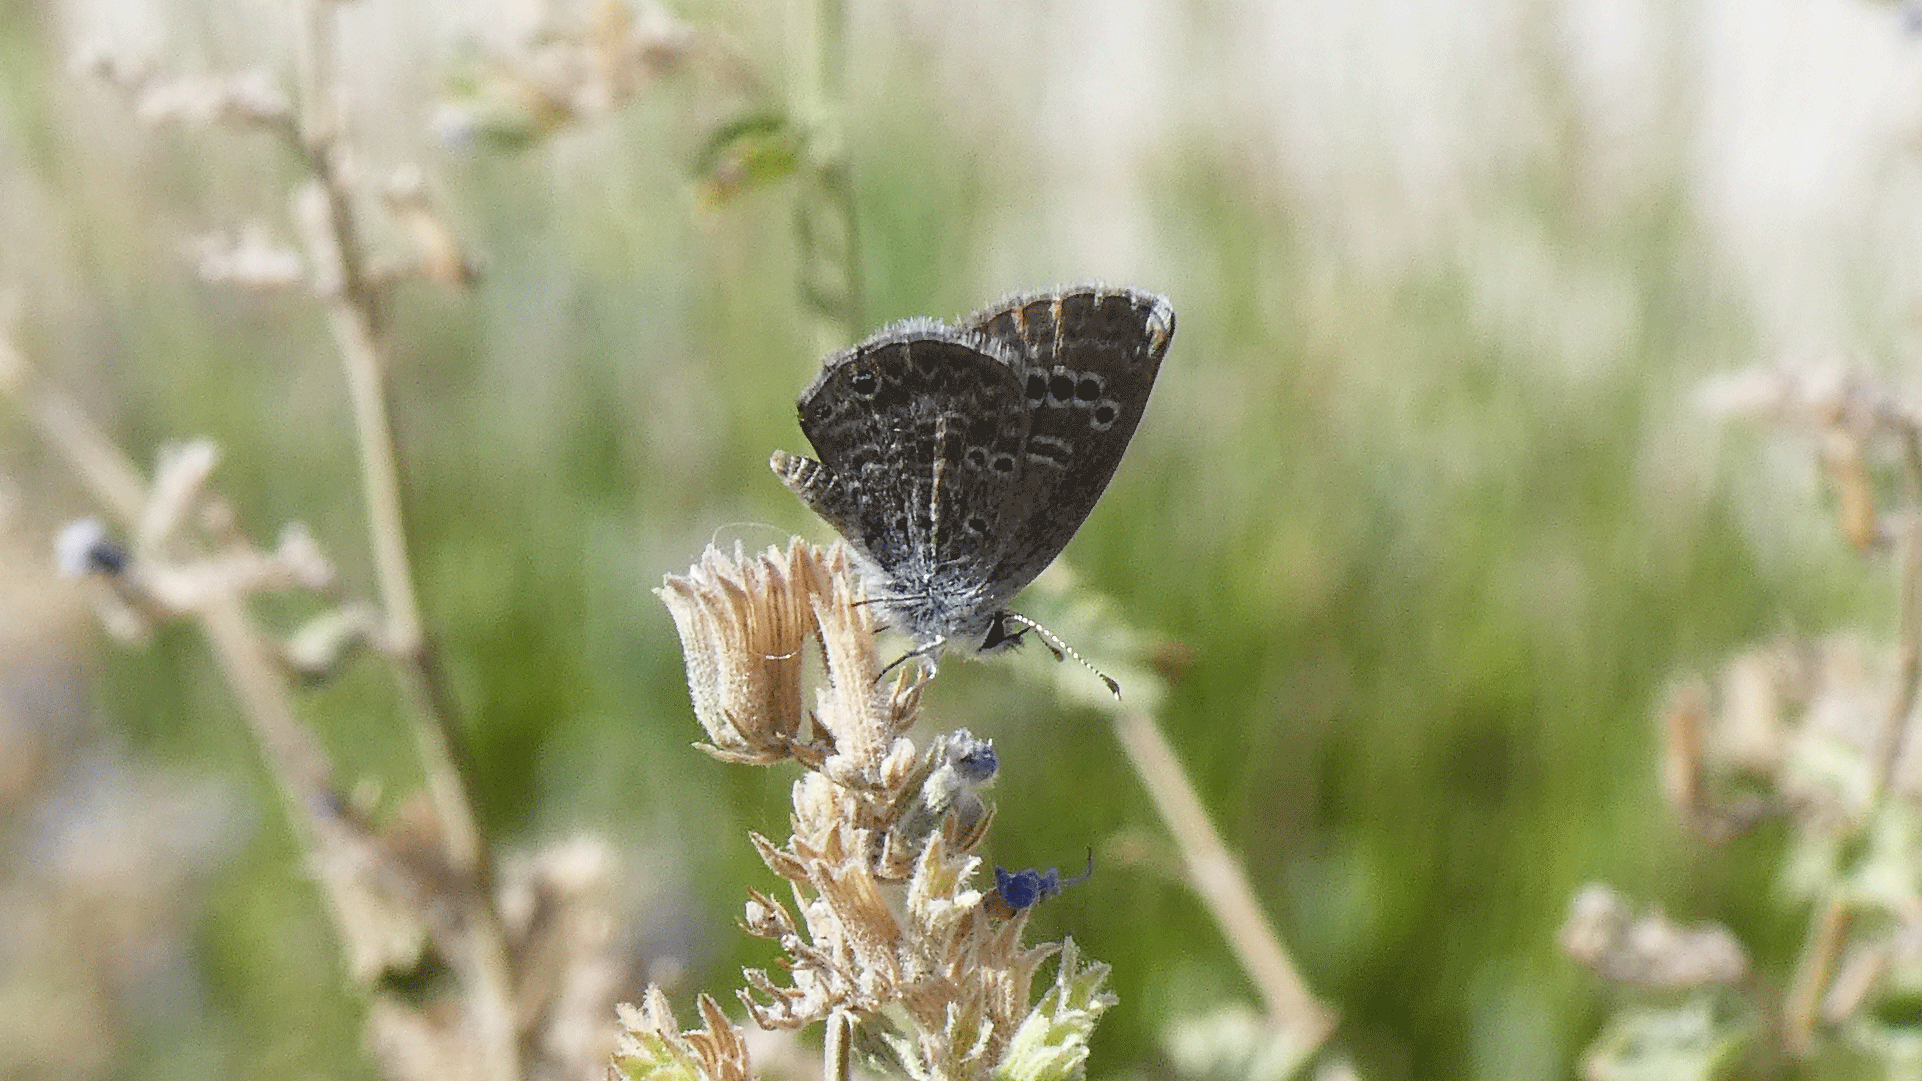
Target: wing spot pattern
1061,387
1037,388
1048,450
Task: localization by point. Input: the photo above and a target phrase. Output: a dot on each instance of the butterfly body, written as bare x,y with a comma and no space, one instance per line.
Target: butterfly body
959,460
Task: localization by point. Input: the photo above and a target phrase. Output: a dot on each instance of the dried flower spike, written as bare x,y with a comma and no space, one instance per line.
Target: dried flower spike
886,941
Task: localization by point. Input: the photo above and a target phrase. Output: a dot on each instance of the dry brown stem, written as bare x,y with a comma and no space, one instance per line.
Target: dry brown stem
1217,877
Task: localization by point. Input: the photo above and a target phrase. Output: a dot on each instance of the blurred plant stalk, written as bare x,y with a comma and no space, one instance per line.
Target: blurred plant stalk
422,890
1817,734
825,215
324,212
1292,1025
1297,1017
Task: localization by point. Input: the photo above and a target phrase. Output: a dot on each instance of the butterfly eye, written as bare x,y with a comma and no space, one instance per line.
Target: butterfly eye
977,457
1037,388
1104,416
1088,389
977,524
864,384
1004,463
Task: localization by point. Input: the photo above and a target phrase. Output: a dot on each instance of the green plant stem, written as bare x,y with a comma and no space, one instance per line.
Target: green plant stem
825,212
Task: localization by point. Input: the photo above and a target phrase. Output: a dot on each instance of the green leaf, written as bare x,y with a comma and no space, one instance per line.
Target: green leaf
752,151
1052,1042
651,1058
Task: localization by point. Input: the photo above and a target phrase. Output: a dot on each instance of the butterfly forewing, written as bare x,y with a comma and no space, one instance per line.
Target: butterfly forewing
1087,360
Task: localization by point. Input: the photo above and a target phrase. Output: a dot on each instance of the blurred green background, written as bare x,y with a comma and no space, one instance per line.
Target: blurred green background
1423,487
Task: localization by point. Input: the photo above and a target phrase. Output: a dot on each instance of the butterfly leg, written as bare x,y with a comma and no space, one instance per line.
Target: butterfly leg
929,656
1000,637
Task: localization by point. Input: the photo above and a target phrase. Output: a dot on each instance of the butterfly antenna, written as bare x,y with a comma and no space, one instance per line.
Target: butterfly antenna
1058,648
1083,876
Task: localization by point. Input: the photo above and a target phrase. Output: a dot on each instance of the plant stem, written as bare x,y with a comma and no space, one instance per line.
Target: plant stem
825,213
1804,998
351,302
112,478
837,1048
1218,878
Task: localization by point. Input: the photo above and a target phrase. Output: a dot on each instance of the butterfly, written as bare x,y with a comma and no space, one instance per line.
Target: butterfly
958,461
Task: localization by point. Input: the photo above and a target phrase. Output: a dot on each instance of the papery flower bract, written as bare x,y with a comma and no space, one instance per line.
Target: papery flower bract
742,625
953,773
652,1047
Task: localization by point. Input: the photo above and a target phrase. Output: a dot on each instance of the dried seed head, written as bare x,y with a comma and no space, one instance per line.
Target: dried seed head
886,937
252,259
653,1046
743,624
1649,951
442,258
245,97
